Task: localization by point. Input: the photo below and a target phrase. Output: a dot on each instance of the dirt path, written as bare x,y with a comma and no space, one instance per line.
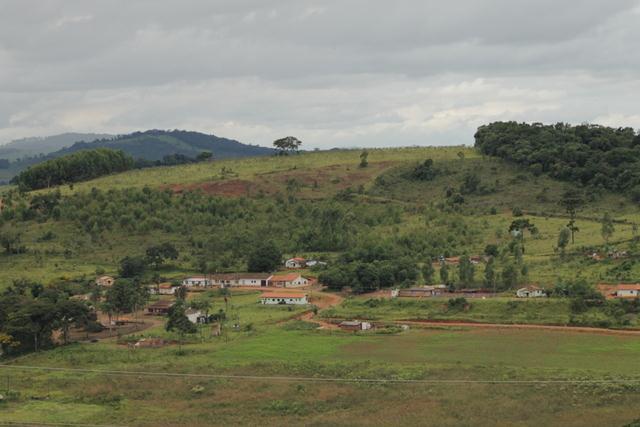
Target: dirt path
582,329
321,300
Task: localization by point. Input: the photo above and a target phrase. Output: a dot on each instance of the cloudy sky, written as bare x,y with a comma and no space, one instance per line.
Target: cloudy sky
333,73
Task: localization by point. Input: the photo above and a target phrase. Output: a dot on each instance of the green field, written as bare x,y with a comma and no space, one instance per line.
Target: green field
437,354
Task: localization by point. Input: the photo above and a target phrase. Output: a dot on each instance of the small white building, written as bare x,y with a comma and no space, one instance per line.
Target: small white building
314,263
354,325
166,289
195,316
288,281
627,291
196,281
253,279
295,263
276,298
531,292
105,281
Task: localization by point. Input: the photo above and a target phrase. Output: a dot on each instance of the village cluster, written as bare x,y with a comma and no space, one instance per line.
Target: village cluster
287,288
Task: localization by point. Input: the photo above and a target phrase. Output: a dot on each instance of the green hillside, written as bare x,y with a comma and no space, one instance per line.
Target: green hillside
378,223
379,201
149,147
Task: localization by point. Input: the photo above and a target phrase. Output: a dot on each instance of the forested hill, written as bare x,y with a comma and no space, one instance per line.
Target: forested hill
591,155
29,147
156,144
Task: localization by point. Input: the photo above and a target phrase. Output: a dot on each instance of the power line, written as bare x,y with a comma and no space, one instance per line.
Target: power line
46,424
317,379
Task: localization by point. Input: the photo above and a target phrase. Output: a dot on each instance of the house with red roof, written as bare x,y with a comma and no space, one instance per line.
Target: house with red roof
296,262
292,280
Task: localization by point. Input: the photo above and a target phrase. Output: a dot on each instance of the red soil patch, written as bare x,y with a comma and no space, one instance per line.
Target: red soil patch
314,182
230,188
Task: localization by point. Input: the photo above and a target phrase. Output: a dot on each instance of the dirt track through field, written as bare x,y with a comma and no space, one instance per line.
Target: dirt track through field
322,301
581,329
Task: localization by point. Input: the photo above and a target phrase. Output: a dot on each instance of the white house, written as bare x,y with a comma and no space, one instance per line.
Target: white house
253,279
166,289
240,279
531,292
276,298
195,316
295,263
313,263
627,291
199,281
288,281
354,325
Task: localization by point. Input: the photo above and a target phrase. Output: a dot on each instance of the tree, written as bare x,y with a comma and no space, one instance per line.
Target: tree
204,156
125,296
71,312
181,293
522,224
363,159
490,274
491,250
425,171
156,255
10,241
466,271
179,322
444,274
607,227
572,200
428,272
265,257
287,145
563,240
132,266
509,276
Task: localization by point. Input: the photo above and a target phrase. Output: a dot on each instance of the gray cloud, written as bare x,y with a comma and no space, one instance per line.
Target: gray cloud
344,73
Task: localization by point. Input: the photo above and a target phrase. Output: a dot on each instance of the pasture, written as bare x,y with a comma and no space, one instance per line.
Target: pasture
431,354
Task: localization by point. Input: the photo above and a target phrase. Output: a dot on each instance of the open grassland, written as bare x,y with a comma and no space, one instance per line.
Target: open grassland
436,354
260,168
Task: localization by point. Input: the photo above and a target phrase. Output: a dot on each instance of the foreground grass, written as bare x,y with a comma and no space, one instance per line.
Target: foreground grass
67,397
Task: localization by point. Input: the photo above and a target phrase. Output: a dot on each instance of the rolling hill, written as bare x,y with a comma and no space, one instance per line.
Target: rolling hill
156,144
151,145
29,147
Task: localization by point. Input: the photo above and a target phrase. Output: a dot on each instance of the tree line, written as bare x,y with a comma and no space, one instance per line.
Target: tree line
89,164
587,154
80,166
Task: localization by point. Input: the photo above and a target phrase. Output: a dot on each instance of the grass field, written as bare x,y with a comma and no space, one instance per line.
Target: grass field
437,354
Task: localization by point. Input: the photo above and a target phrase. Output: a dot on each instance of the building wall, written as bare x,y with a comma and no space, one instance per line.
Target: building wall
287,301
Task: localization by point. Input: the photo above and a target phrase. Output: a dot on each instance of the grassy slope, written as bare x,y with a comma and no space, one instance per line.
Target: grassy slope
272,350
323,174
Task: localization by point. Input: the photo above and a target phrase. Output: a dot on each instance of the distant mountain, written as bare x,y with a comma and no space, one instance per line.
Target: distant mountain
150,145
28,147
156,144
